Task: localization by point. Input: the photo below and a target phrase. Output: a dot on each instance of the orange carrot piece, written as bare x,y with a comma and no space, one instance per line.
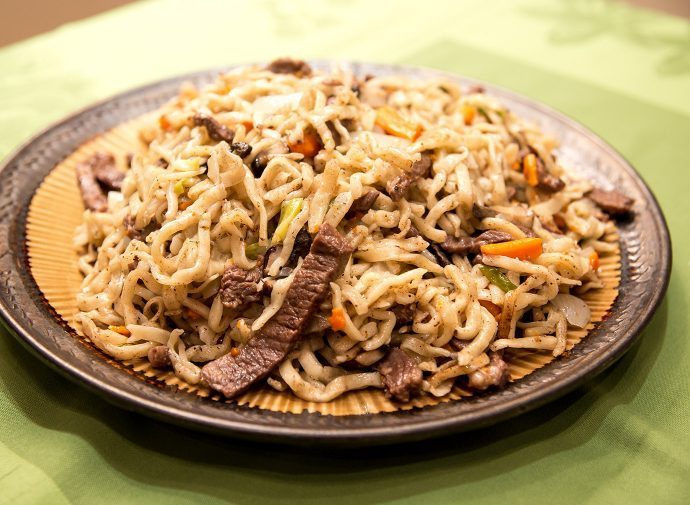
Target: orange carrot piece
191,314
529,168
468,113
234,352
394,123
594,260
491,307
309,146
164,123
120,329
248,125
184,204
524,248
337,319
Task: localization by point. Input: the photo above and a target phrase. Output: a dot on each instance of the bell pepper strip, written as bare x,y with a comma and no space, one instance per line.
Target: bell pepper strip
120,329
491,307
594,260
523,249
529,168
394,123
468,114
252,251
288,211
497,278
337,319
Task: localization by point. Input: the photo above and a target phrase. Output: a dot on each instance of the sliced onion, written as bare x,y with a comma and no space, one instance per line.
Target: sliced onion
573,308
266,106
383,140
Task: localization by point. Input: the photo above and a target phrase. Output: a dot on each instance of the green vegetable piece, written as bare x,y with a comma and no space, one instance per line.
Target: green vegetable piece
497,278
252,251
288,211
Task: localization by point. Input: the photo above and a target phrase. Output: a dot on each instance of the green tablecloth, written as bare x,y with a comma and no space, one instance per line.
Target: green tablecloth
623,438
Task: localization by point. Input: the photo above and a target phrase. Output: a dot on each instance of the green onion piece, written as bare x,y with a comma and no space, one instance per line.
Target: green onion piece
288,211
252,251
178,188
484,113
497,278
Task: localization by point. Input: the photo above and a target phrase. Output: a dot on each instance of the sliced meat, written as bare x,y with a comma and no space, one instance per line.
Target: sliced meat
240,287
472,245
439,254
132,232
547,181
241,149
301,246
106,172
216,131
404,314
398,186
401,376
92,194
611,202
318,324
289,66
362,204
159,357
494,374
482,212
231,375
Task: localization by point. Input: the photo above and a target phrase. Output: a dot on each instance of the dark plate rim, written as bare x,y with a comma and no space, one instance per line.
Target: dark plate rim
416,425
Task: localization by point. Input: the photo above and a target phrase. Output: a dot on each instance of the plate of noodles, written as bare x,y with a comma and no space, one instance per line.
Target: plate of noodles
330,252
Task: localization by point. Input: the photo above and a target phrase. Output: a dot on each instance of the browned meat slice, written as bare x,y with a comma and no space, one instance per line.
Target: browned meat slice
547,181
401,375
105,171
239,287
132,232
481,212
159,357
289,66
398,186
494,374
404,314
92,194
439,254
216,131
362,204
611,202
472,245
301,246
318,324
241,149
231,375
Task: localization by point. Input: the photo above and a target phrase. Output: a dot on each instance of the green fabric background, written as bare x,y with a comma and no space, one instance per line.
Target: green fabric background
623,438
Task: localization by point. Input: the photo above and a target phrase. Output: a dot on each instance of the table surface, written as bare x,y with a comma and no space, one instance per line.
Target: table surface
622,438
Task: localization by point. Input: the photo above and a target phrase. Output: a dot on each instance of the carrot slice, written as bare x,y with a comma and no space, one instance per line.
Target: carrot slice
309,146
468,113
529,168
120,329
594,260
394,123
524,248
337,319
234,352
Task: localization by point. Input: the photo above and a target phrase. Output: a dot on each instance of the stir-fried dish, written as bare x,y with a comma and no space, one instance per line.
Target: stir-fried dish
322,232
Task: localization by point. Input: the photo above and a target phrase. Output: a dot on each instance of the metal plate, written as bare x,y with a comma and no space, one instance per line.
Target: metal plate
646,266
